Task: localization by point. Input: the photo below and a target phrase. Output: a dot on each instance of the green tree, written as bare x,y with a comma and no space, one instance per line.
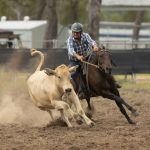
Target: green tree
17,9
70,11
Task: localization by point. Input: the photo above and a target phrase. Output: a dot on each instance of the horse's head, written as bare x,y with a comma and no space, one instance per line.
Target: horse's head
104,60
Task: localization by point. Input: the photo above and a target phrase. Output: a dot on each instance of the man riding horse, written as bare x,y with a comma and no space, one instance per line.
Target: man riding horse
96,79
79,45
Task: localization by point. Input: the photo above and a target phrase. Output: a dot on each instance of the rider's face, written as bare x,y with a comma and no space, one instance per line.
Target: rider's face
76,35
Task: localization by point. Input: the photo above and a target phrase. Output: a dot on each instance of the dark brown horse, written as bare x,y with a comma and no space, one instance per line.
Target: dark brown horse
100,82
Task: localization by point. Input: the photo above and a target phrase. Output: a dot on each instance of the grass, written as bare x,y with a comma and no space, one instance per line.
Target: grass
142,81
16,81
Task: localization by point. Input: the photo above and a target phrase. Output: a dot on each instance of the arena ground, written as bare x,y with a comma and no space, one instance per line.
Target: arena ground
23,126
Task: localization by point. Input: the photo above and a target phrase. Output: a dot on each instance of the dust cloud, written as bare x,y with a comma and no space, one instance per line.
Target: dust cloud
15,104
17,110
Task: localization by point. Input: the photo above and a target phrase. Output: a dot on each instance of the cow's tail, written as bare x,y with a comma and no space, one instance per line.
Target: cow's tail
34,52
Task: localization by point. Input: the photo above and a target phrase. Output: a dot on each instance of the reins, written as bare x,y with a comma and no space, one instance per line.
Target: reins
93,65
96,66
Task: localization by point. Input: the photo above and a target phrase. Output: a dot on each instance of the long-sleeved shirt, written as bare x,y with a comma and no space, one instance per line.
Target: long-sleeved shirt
80,47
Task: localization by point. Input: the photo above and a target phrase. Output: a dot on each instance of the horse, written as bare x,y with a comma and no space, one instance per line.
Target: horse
100,82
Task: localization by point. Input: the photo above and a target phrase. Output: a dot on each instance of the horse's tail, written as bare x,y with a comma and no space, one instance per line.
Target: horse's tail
34,52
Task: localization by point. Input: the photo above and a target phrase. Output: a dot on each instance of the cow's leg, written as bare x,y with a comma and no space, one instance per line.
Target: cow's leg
66,99
119,103
75,100
63,108
51,114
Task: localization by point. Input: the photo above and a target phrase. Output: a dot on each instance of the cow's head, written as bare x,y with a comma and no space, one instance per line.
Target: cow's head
62,77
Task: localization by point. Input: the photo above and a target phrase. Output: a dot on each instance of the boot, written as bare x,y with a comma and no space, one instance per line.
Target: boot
83,91
118,85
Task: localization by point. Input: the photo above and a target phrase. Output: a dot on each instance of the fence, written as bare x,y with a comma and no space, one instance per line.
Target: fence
131,61
128,61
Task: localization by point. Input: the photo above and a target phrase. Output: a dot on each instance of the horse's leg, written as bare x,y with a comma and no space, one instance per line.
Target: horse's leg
90,108
123,111
119,102
133,111
83,84
115,93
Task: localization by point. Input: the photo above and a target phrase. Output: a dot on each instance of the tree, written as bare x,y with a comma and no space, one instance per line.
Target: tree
51,30
17,9
70,11
138,21
94,18
40,7
74,10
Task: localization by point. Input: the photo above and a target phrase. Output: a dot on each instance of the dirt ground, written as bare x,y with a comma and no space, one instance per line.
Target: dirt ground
23,126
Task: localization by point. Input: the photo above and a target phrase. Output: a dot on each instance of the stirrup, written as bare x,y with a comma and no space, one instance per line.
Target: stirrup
118,85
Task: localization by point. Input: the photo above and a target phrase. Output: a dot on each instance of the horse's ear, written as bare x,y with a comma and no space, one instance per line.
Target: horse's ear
73,68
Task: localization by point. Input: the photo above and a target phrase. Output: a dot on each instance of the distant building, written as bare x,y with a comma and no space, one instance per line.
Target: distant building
31,32
9,40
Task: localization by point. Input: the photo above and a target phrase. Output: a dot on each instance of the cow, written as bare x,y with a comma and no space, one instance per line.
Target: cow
47,87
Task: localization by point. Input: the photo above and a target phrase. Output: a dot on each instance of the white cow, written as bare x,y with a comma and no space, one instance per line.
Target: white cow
46,88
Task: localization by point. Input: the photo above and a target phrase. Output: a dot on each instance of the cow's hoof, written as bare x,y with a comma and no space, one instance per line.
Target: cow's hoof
92,124
79,121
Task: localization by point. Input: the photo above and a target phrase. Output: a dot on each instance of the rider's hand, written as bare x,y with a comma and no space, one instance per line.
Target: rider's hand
95,48
80,57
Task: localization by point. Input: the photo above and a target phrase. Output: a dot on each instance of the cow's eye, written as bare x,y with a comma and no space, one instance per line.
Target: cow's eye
59,77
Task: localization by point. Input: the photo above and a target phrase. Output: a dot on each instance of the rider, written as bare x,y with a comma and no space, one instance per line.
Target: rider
79,44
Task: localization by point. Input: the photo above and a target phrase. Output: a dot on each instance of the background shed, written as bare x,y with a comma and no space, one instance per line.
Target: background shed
31,32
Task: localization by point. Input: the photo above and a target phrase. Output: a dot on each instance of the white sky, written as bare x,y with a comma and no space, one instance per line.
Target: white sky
126,2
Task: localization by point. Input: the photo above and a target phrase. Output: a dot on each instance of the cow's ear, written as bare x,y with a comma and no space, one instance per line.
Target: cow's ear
73,68
49,71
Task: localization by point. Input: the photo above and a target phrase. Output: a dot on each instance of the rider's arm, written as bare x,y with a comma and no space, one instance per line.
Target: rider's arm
92,42
71,51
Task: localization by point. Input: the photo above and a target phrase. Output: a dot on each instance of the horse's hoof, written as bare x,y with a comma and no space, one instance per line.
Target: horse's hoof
132,122
135,113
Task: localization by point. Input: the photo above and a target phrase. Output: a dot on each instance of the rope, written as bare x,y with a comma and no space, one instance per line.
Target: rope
96,66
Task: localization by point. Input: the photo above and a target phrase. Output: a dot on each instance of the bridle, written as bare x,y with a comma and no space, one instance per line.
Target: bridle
99,66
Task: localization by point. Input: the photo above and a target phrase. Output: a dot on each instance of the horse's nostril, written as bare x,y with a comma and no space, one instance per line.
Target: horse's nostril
68,90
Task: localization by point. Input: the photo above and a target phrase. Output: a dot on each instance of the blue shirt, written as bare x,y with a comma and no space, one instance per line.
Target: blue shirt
80,47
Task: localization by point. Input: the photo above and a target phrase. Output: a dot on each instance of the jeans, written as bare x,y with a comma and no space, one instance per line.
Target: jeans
75,75
79,74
